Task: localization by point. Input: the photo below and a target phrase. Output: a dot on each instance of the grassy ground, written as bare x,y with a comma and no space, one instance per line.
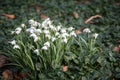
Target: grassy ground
65,12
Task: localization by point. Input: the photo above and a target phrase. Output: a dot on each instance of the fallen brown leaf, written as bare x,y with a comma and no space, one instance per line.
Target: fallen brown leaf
3,60
118,3
9,16
118,41
38,9
75,14
20,76
7,75
43,16
88,21
78,32
116,49
65,68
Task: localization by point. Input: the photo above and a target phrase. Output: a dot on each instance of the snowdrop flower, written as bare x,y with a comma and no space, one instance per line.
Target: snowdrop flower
13,42
65,40
46,22
58,27
23,25
12,32
38,31
64,35
31,30
48,36
73,34
44,48
49,22
18,30
52,27
95,35
63,30
46,31
39,24
87,30
36,51
31,21
70,28
47,44
57,33
53,39
35,37
16,46
35,24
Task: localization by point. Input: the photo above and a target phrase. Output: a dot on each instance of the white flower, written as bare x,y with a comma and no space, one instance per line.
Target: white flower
47,44
63,30
59,27
49,22
39,24
44,48
46,31
95,35
22,25
52,27
65,40
31,21
87,30
16,46
18,30
35,37
31,30
70,28
57,33
64,35
12,32
46,22
13,42
38,31
53,39
35,24
73,34
48,36
36,51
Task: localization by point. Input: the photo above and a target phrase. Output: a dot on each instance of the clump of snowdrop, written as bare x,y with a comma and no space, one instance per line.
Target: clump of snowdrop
45,39
47,31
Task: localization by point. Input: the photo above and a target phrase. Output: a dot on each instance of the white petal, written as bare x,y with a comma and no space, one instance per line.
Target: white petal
22,25
36,51
95,35
44,48
87,30
13,42
16,47
47,44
